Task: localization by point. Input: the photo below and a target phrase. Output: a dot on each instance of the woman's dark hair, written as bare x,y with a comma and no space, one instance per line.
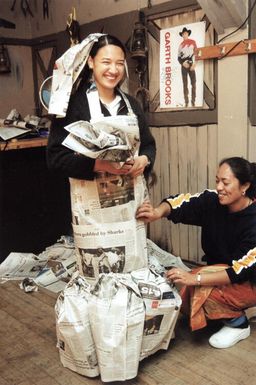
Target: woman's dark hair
106,40
244,171
85,75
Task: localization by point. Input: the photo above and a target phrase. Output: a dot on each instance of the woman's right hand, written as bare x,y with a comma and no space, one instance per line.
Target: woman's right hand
147,213
115,168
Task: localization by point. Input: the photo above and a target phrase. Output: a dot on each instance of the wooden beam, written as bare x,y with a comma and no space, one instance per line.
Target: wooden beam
208,7
237,11
183,118
162,10
219,51
154,31
225,13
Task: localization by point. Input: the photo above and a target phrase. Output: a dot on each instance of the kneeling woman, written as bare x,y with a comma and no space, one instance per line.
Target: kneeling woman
227,216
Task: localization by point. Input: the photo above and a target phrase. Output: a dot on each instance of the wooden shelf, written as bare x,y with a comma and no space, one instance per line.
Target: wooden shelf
17,144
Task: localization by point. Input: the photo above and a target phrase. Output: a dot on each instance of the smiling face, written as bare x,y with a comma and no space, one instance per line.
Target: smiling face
108,68
231,193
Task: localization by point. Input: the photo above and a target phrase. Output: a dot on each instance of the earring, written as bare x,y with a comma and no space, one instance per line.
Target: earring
243,193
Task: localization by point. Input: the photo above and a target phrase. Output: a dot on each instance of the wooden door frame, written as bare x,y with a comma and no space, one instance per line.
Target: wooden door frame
252,70
38,64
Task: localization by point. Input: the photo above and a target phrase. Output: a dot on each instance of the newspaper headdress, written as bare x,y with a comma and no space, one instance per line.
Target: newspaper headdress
66,71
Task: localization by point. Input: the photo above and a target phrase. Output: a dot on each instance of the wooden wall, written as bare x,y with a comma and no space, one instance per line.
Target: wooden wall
186,162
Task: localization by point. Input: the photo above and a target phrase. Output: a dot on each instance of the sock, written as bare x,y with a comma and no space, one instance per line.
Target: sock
238,322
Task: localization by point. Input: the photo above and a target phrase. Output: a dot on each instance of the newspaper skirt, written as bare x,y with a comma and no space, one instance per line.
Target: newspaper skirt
107,236
116,313
74,336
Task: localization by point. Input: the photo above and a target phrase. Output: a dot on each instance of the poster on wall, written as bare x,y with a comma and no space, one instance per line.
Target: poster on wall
181,77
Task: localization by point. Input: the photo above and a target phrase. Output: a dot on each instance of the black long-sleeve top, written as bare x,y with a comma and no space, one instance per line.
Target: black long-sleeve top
227,238
74,165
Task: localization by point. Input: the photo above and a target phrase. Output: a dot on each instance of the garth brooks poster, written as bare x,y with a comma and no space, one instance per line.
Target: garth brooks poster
181,77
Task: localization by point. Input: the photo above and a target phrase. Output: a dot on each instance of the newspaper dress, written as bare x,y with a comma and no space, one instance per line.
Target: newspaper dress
107,236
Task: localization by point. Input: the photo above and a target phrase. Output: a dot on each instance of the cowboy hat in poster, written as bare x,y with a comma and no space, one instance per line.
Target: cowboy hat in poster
181,77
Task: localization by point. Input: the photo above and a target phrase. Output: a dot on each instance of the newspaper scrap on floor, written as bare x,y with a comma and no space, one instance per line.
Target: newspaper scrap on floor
161,260
74,337
28,285
51,269
162,306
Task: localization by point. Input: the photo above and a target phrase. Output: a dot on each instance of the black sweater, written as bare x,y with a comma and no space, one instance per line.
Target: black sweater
226,237
74,165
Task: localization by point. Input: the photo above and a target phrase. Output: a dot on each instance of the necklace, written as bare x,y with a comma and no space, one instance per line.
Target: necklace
242,206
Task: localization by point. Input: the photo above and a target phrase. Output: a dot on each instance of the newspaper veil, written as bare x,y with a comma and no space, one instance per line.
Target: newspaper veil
66,71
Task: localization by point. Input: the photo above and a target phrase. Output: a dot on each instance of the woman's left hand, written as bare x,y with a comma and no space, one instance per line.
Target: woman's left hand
138,165
177,275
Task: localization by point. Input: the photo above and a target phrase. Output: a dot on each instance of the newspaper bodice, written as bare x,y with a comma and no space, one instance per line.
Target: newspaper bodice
103,210
128,123
113,138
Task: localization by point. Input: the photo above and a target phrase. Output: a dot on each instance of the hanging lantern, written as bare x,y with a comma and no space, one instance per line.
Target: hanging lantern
138,41
5,65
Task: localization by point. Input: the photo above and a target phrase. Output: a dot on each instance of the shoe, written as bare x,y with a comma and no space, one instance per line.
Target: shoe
227,337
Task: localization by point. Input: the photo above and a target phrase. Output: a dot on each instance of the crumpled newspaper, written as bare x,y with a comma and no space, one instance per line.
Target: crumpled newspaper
28,285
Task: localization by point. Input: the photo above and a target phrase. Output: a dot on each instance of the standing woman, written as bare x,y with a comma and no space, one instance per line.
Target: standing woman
98,96
227,217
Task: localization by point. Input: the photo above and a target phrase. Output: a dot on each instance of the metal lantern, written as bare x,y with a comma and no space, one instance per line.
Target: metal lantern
5,65
138,41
